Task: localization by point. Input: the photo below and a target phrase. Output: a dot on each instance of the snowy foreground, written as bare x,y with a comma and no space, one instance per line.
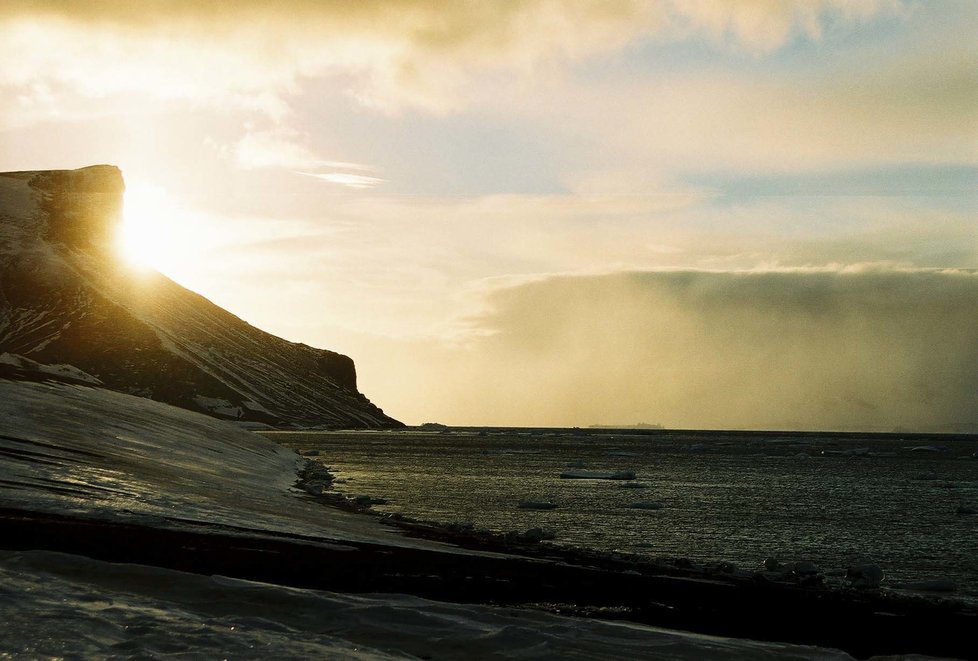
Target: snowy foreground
83,451
63,605
87,454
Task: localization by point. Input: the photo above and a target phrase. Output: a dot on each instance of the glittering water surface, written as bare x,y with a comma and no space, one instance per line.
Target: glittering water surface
737,497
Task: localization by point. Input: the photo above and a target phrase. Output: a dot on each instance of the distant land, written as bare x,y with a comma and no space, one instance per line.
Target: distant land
637,425
71,310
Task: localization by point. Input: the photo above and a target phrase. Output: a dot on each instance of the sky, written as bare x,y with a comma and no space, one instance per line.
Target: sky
696,213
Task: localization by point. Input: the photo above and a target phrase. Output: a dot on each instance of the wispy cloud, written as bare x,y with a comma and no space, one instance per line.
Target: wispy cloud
282,148
349,179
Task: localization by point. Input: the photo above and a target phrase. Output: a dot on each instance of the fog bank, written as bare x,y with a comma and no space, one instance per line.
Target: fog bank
791,350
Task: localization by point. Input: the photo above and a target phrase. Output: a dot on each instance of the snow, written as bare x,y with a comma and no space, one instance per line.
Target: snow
102,454
63,605
57,372
218,406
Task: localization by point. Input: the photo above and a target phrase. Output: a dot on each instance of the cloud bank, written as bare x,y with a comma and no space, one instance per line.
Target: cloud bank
828,349
391,55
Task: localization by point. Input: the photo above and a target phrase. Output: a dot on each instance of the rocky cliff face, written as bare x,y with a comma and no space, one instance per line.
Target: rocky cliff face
66,299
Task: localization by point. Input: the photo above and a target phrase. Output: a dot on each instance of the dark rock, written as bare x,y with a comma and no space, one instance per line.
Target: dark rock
867,575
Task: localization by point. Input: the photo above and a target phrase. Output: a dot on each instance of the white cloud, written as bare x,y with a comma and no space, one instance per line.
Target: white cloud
348,179
411,54
279,148
765,25
421,268
282,148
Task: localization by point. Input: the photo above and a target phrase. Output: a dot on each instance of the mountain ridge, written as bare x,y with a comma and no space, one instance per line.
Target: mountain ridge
67,298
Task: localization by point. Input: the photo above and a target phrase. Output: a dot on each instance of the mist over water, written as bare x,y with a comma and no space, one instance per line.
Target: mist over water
870,350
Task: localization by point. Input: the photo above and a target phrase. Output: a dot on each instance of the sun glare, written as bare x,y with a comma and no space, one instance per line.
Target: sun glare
146,239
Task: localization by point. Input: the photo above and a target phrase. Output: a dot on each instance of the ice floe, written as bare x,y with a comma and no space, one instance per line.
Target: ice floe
536,505
597,475
646,505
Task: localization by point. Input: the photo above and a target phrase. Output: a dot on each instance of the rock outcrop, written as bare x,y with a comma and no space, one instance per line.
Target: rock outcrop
67,299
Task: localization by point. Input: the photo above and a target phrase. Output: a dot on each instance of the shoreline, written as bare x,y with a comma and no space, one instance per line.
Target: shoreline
714,598
534,542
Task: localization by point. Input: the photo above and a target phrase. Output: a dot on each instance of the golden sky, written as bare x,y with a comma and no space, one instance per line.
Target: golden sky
486,203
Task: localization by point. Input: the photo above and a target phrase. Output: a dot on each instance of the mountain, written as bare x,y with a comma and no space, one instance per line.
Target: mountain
68,300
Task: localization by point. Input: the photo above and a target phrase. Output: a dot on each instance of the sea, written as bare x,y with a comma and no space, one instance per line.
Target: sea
906,502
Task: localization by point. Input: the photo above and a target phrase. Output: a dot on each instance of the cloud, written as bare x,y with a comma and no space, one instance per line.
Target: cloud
282,148
899,112
765,25
279,148
418,54
348,179
420,268
824,349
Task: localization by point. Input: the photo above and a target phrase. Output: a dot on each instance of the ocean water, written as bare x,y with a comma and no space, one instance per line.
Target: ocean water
832,499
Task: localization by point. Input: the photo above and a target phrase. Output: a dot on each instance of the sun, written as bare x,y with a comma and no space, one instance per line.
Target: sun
145,238
160,233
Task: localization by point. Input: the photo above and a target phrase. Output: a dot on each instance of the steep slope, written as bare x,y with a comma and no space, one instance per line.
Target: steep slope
65,298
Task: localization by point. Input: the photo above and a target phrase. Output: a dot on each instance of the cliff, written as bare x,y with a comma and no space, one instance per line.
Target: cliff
67,299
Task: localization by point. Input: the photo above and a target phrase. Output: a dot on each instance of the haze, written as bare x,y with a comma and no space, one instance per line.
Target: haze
699,214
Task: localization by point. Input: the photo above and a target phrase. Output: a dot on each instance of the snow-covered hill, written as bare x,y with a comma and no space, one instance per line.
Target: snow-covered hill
67,299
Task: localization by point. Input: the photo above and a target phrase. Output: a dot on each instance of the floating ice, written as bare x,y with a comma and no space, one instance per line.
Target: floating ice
647,505
853,452
597,475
